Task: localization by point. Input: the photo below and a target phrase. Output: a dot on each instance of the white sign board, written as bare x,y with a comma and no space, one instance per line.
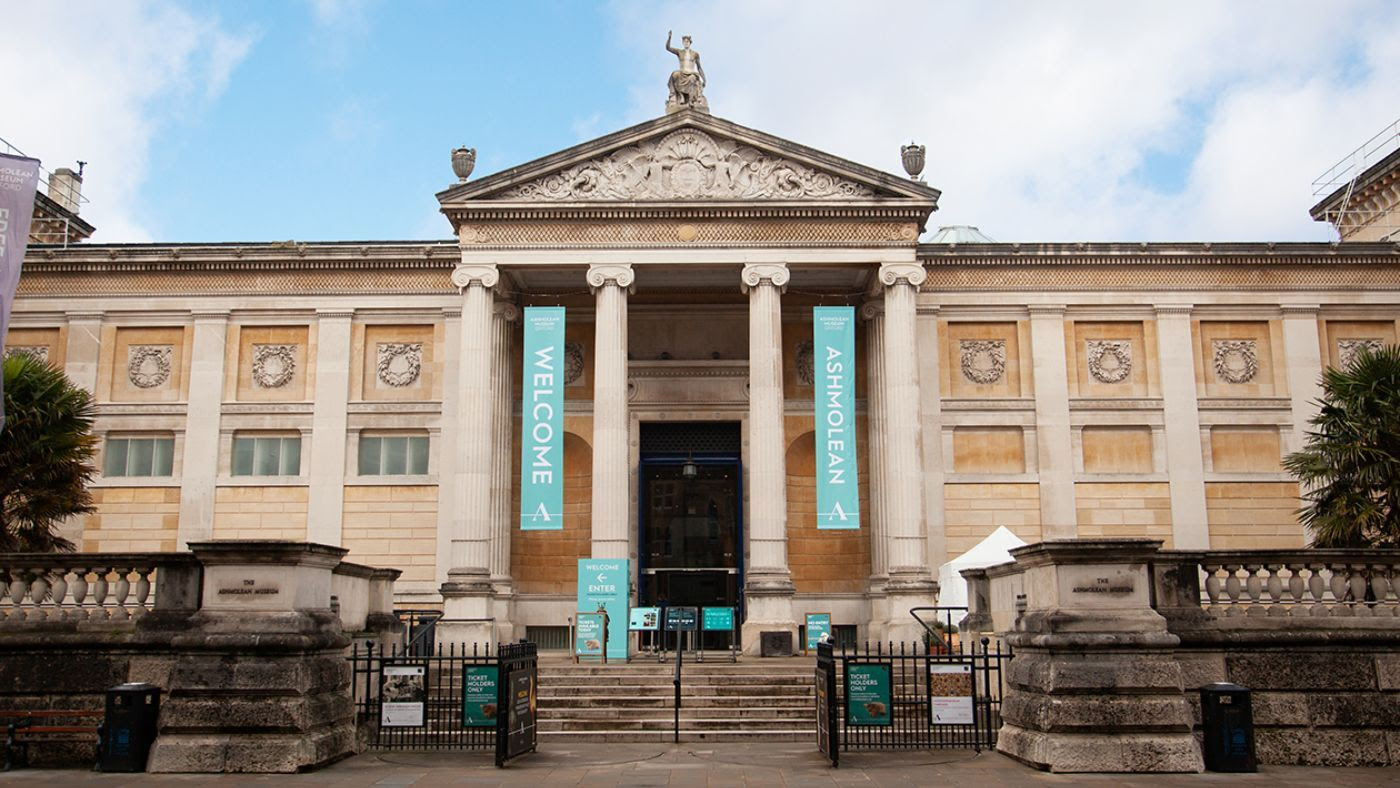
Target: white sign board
950,691
403,694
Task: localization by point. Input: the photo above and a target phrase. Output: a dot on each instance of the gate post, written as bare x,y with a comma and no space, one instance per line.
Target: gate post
1094,686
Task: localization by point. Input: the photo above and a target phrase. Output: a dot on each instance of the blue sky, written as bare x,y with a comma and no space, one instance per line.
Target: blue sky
332,119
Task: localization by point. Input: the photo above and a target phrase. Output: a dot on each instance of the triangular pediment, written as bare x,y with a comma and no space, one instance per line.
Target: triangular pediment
689,157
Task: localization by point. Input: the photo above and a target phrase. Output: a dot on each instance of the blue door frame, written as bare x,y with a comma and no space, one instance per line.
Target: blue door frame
673,459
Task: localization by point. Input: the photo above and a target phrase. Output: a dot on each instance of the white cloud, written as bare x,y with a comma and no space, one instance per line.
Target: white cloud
96,81
1044,121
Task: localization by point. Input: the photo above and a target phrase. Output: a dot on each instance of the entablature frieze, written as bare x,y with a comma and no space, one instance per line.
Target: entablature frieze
688,233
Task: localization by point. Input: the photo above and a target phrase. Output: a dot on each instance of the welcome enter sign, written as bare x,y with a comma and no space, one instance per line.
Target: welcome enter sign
542,421
833,359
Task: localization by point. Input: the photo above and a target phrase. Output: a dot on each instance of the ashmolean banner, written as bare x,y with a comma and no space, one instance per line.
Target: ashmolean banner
542,421
19,177
834,356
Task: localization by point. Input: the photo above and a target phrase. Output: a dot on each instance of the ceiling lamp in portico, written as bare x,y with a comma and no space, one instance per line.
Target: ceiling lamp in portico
688,165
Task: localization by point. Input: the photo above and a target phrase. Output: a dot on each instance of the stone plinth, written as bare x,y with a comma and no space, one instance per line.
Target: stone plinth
1095,686
258,677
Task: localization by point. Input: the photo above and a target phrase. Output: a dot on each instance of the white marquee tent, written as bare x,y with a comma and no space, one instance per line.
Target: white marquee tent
995,549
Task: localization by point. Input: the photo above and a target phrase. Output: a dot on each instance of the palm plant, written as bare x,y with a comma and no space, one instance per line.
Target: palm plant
1350,464
46,452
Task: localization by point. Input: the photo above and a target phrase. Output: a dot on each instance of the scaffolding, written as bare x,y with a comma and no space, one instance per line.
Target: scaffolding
1360,198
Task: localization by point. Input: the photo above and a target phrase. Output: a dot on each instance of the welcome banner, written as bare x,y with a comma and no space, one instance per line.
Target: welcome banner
834,355
542,421
19,177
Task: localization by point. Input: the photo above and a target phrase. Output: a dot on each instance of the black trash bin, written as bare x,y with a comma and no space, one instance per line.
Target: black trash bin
1227,719
129,728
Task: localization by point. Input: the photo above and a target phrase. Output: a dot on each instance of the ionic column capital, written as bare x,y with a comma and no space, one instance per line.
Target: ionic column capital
871,310
755,274
504,310
902,273
619,274
465,276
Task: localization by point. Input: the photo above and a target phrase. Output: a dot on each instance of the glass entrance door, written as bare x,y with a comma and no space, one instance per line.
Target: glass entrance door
691,543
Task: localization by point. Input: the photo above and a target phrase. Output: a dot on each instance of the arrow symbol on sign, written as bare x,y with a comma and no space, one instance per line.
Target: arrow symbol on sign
602,578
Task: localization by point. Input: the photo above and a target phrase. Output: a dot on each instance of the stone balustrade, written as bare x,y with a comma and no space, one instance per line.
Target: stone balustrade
1229,585
93,587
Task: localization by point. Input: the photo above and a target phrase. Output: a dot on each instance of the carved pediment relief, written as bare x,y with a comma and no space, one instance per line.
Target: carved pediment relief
687,164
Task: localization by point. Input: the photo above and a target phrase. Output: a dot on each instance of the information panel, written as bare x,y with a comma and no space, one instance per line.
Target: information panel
717,619
950,692
403,694
480,696
588,635
818,624
833,360
520,727
605,583
681,619
868,699
645,619
542,421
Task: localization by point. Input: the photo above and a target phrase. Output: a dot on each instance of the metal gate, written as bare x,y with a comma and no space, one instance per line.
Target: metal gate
909,696
452,697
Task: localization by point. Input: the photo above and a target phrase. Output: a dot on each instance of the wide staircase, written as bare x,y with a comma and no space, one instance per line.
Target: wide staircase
751,700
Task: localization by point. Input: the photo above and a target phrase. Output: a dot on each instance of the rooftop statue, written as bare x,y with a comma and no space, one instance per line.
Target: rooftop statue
687,83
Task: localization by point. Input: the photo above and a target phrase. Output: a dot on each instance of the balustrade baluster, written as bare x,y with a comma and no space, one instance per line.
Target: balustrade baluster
143,587
120,594
1296,588
1213,587
1380,588
1317,589
1276,590
1357,586
19,589
1337,584
1232,590
80,590
99,592
60,593
1254,589
38,592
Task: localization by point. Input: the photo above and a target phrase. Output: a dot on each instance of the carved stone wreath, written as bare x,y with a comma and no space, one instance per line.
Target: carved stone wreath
400,363
36,352
802,362
1110,360
274,365
687,164
1348,348
148,366
1236,360
573,363
983,360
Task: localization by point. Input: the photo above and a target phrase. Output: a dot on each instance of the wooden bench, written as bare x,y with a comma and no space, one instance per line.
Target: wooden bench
24,727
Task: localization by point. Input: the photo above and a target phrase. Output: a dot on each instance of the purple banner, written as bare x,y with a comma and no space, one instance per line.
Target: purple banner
19,177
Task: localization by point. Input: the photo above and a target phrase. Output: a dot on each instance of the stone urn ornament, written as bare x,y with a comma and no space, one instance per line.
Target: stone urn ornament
463,162
913,158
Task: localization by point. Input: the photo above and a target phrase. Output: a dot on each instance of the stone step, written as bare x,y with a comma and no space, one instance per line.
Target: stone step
666,681
665,712
687,735
687,691
695,724
704,701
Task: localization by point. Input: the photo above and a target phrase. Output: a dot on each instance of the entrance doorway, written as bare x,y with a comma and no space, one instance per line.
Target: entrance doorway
691,543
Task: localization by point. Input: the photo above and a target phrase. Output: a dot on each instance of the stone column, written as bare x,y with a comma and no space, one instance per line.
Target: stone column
83,349
502,418
199,461
931,427
1176,360
467,594
448,439
326,497
1302,351
1054,451
911,583
768,585
873,313
610,284
1095,686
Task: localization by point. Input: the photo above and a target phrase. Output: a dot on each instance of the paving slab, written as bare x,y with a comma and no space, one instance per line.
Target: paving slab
608,765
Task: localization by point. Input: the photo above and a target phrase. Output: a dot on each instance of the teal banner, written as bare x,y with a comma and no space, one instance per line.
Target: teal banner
542,421
833,359
868,698
480,693
605,585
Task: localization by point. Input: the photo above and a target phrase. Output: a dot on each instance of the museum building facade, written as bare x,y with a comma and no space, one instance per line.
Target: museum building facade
369,394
